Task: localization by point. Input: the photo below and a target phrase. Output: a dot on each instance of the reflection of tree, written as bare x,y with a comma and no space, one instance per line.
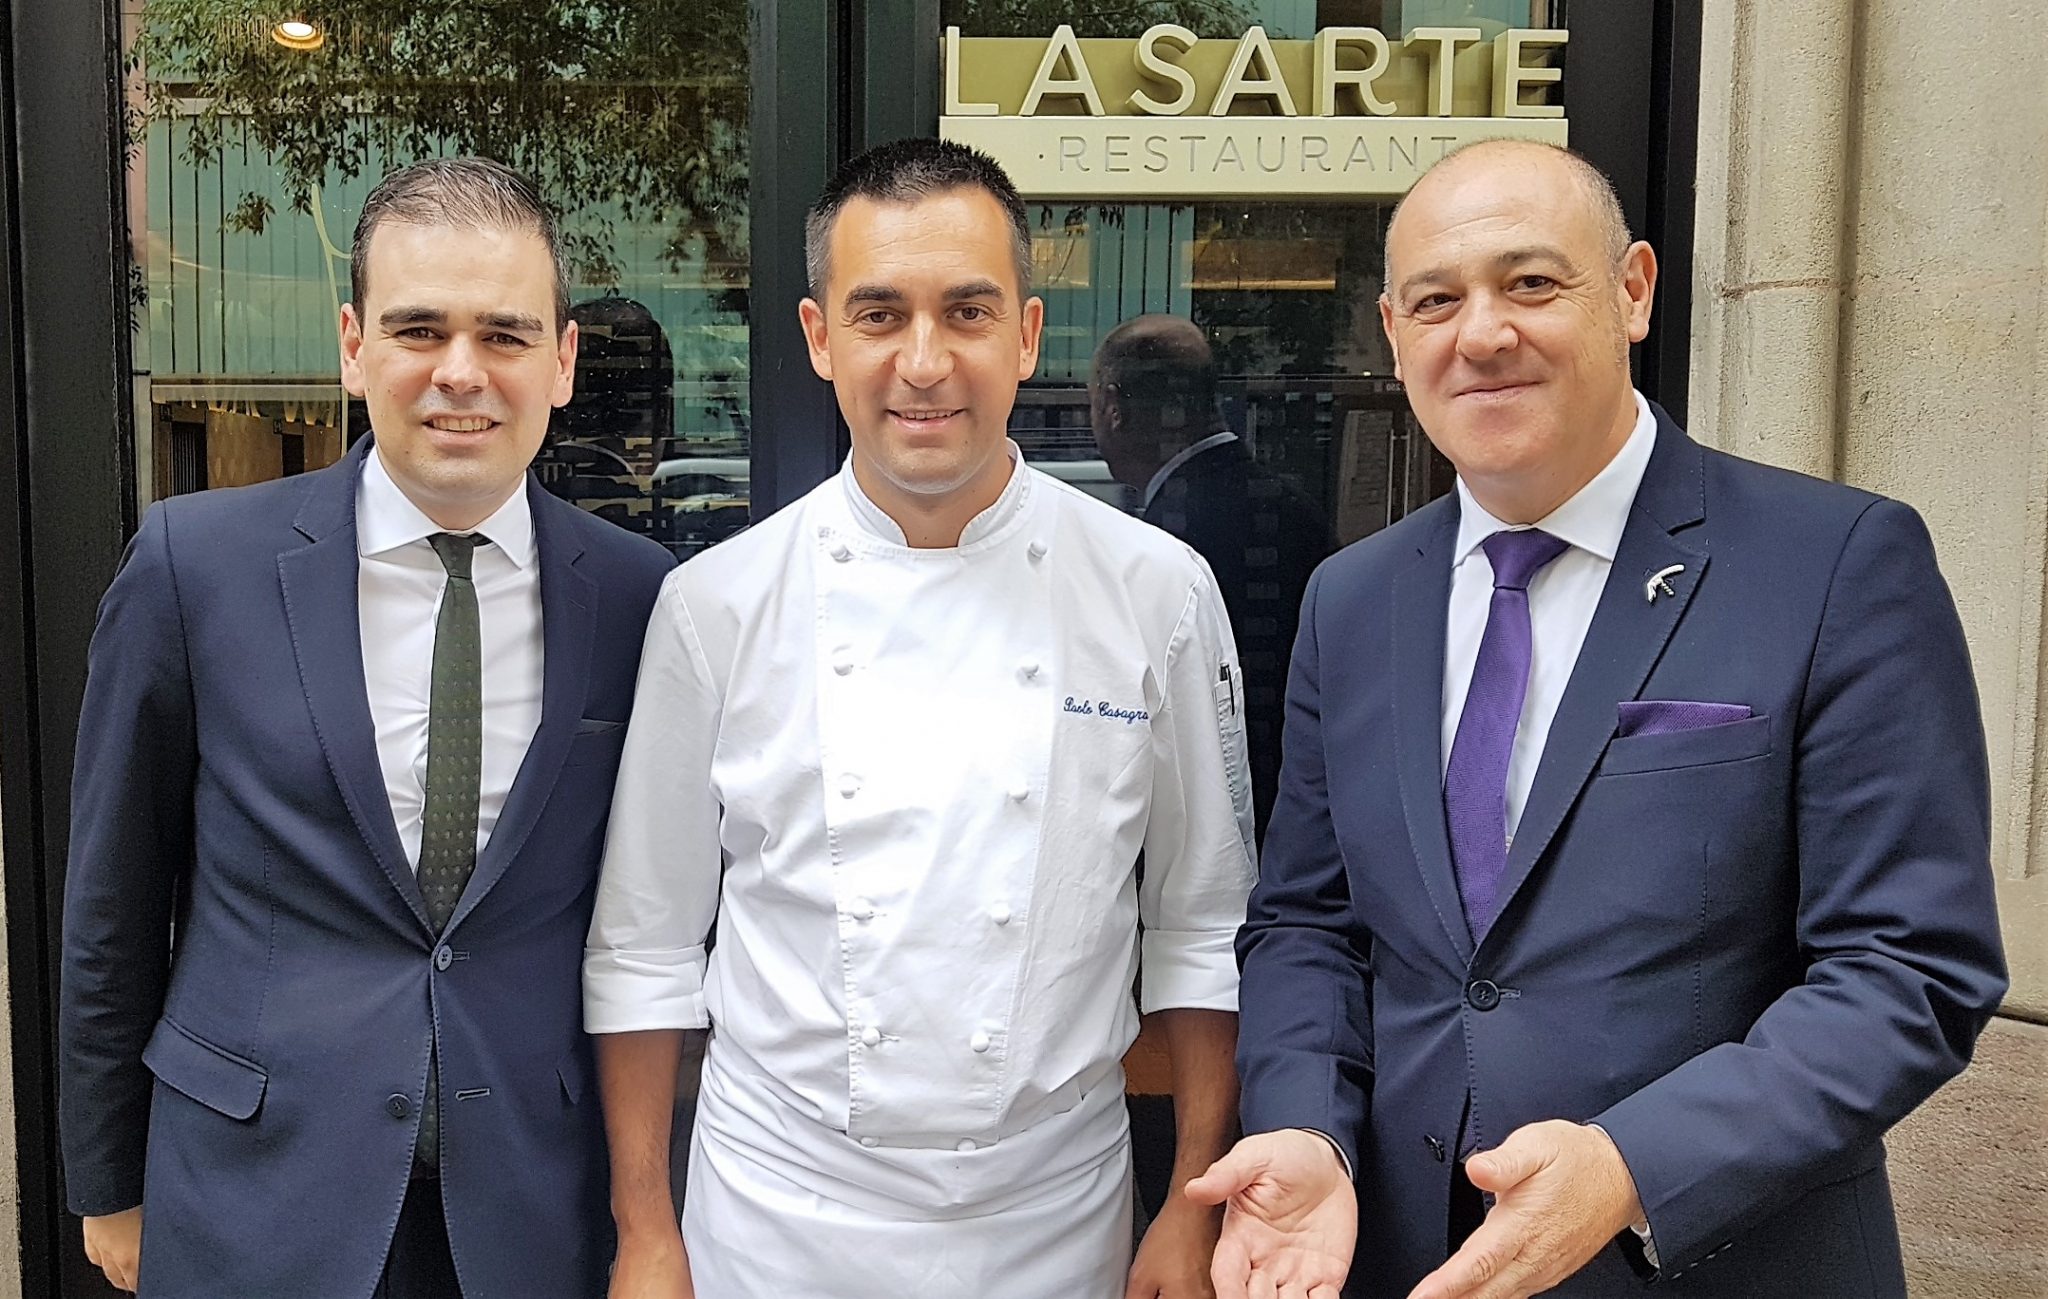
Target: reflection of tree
1126,18
636,105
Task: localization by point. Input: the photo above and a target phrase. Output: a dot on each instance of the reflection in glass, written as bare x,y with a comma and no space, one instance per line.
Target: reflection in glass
252,144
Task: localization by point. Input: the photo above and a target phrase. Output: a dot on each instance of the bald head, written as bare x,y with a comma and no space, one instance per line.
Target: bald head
1153,391
1522,164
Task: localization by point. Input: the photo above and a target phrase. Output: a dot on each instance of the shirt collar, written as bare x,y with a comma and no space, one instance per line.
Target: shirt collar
1181,457
874,520
386,518
1596,514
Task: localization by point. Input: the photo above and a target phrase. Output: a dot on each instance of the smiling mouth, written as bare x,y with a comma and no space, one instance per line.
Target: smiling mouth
1496,389
926,416
462,423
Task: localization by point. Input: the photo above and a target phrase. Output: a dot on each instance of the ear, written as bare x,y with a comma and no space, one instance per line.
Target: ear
812,317
1033,325
1638,287
352,377
1387,328
565,365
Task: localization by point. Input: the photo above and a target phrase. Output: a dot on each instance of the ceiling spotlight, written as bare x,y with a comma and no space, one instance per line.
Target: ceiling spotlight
298,34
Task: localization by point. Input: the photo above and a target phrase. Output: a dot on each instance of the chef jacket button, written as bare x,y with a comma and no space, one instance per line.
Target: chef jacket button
1020,791
1000,913
841,551
849,786
861,909
842,666
871,1036
869,1142
1029,667
1036,549
979,1042
966,1144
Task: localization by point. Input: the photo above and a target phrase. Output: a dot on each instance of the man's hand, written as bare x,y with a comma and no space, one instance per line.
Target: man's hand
652,1265
1561,1193
113,1242
1292,1219
1173,1259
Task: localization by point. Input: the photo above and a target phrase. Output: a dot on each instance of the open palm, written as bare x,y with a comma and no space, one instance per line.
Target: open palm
1292,1217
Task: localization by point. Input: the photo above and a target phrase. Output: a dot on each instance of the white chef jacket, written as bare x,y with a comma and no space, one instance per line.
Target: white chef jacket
910,787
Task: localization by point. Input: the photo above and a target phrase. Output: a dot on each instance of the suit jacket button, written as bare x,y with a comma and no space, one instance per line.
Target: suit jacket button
398,1105
443,958
1483,994
1436,1146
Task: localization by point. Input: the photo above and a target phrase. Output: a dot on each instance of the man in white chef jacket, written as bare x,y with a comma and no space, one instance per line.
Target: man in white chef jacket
894,758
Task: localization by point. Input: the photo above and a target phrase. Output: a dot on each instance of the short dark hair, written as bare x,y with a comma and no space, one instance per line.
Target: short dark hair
462,192
904,171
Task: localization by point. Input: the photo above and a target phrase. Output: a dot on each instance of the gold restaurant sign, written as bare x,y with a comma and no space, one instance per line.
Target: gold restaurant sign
1349,114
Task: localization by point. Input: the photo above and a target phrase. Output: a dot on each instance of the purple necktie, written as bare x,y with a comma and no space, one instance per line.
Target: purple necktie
1476,781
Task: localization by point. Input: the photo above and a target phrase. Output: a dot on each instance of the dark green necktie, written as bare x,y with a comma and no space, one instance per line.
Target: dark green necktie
455,737
455,753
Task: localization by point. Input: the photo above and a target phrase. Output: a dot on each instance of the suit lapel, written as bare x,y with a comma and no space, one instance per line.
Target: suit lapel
568,600
1422,594
319,582
1627,636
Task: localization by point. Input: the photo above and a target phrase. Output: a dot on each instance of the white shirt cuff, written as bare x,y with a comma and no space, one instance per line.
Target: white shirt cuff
1180,970
630,992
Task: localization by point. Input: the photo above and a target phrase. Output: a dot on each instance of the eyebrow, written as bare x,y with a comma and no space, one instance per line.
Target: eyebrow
406,317
885,293
1500,261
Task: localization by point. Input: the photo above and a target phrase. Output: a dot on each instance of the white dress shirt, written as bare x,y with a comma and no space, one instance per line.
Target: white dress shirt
399,581
909,787
1562,598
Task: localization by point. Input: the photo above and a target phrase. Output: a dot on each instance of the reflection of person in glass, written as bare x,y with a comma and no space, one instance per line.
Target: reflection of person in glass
1630,874
904,742
1152,400
346,749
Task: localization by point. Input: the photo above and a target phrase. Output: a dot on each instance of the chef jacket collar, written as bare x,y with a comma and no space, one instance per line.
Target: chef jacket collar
1016,495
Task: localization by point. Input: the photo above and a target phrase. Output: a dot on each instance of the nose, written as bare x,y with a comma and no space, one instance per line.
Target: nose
460,368
1485,327
925,359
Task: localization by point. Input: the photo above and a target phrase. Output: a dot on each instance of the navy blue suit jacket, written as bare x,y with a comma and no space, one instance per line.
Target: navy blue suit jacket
1746,950
250,988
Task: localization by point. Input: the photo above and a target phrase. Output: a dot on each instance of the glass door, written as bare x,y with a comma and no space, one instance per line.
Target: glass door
255,131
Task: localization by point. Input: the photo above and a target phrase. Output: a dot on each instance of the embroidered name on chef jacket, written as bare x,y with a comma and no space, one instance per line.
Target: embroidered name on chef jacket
1105,710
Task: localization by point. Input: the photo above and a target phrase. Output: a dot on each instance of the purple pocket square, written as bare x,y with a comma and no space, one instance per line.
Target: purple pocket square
1663,716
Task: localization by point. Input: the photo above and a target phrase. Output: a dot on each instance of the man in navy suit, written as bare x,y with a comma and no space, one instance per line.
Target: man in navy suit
344,768
1629,875
1152,405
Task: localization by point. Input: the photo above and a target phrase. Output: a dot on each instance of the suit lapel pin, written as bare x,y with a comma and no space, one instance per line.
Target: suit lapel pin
1660,582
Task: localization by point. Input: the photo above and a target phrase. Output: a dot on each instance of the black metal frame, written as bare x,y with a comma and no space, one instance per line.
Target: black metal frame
68,452
831,77
1631,93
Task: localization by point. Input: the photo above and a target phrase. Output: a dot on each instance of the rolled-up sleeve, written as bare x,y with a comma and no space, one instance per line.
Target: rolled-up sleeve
1199,860
644,961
